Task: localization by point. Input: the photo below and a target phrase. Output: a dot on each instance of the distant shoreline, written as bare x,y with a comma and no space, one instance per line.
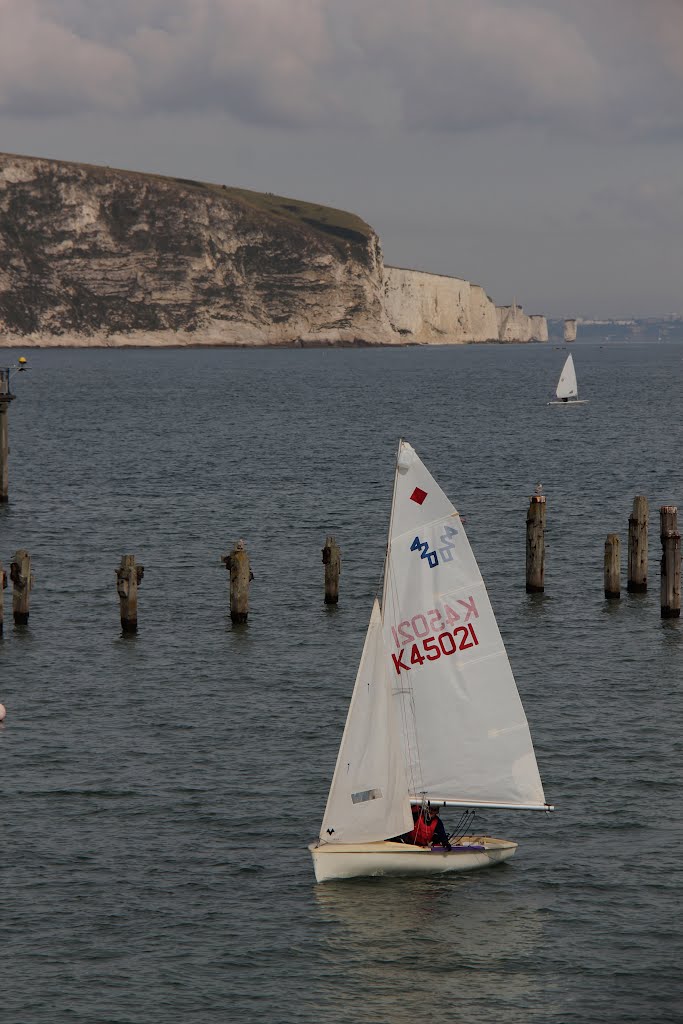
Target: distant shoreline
43,346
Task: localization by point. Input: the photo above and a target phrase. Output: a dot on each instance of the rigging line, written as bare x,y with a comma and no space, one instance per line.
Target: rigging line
407,706
458,825
463,825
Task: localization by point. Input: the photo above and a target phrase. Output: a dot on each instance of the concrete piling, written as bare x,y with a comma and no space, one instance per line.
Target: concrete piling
671,562
128,578
22,584
535,544
637,546
613,566
237,564
332,563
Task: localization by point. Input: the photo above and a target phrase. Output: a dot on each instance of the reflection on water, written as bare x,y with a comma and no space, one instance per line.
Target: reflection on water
417,943
672,633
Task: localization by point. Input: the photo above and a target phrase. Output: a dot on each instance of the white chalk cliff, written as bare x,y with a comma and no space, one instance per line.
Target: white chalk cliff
432,309
97,256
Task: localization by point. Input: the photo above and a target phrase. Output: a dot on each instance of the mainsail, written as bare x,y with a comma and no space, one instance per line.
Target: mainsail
464,732
566,386
368,799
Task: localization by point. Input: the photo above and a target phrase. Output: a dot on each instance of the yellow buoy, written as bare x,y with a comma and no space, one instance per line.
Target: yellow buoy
22,359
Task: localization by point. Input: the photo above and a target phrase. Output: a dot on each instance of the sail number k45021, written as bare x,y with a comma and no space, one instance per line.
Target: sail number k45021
433,621
434,647
429,635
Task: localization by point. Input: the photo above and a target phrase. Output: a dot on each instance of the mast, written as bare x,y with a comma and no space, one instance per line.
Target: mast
391,523
404,694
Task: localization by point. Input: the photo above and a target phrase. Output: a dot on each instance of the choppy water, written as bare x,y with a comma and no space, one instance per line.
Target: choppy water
159,792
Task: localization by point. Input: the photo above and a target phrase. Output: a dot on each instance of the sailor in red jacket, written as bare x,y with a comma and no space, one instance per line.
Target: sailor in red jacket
428,829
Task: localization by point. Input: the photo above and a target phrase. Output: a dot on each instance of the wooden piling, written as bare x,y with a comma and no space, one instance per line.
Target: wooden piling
5,398
671,562
128,578
3,585
613,566
22,584
332,563
637,546
237,563
535,545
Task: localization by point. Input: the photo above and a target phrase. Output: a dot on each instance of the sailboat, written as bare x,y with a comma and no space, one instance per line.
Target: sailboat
567,389
435,717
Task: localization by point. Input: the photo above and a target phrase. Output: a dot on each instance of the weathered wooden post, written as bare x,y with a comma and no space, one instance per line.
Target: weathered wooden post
613,566
5,398
22,584
637,546
671,562
3,585
237,563
332,563
535,543
128,578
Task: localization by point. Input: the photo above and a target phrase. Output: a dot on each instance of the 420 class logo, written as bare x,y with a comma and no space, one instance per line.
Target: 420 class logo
445,551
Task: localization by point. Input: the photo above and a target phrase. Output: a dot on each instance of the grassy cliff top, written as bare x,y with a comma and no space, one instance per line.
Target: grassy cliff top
323,218
340,224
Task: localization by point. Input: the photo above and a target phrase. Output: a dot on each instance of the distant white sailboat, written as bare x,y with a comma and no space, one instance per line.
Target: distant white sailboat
435,715
567,390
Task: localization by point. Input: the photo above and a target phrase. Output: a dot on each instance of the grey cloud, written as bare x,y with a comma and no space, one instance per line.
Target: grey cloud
463,64
442,65
261,60
47,67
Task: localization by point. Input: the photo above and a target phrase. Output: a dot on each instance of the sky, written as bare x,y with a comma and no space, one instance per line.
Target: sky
534,147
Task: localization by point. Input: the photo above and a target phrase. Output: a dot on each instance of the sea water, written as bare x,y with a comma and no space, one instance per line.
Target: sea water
158,791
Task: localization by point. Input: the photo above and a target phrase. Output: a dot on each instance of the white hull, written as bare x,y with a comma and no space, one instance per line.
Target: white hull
361,860
570,401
